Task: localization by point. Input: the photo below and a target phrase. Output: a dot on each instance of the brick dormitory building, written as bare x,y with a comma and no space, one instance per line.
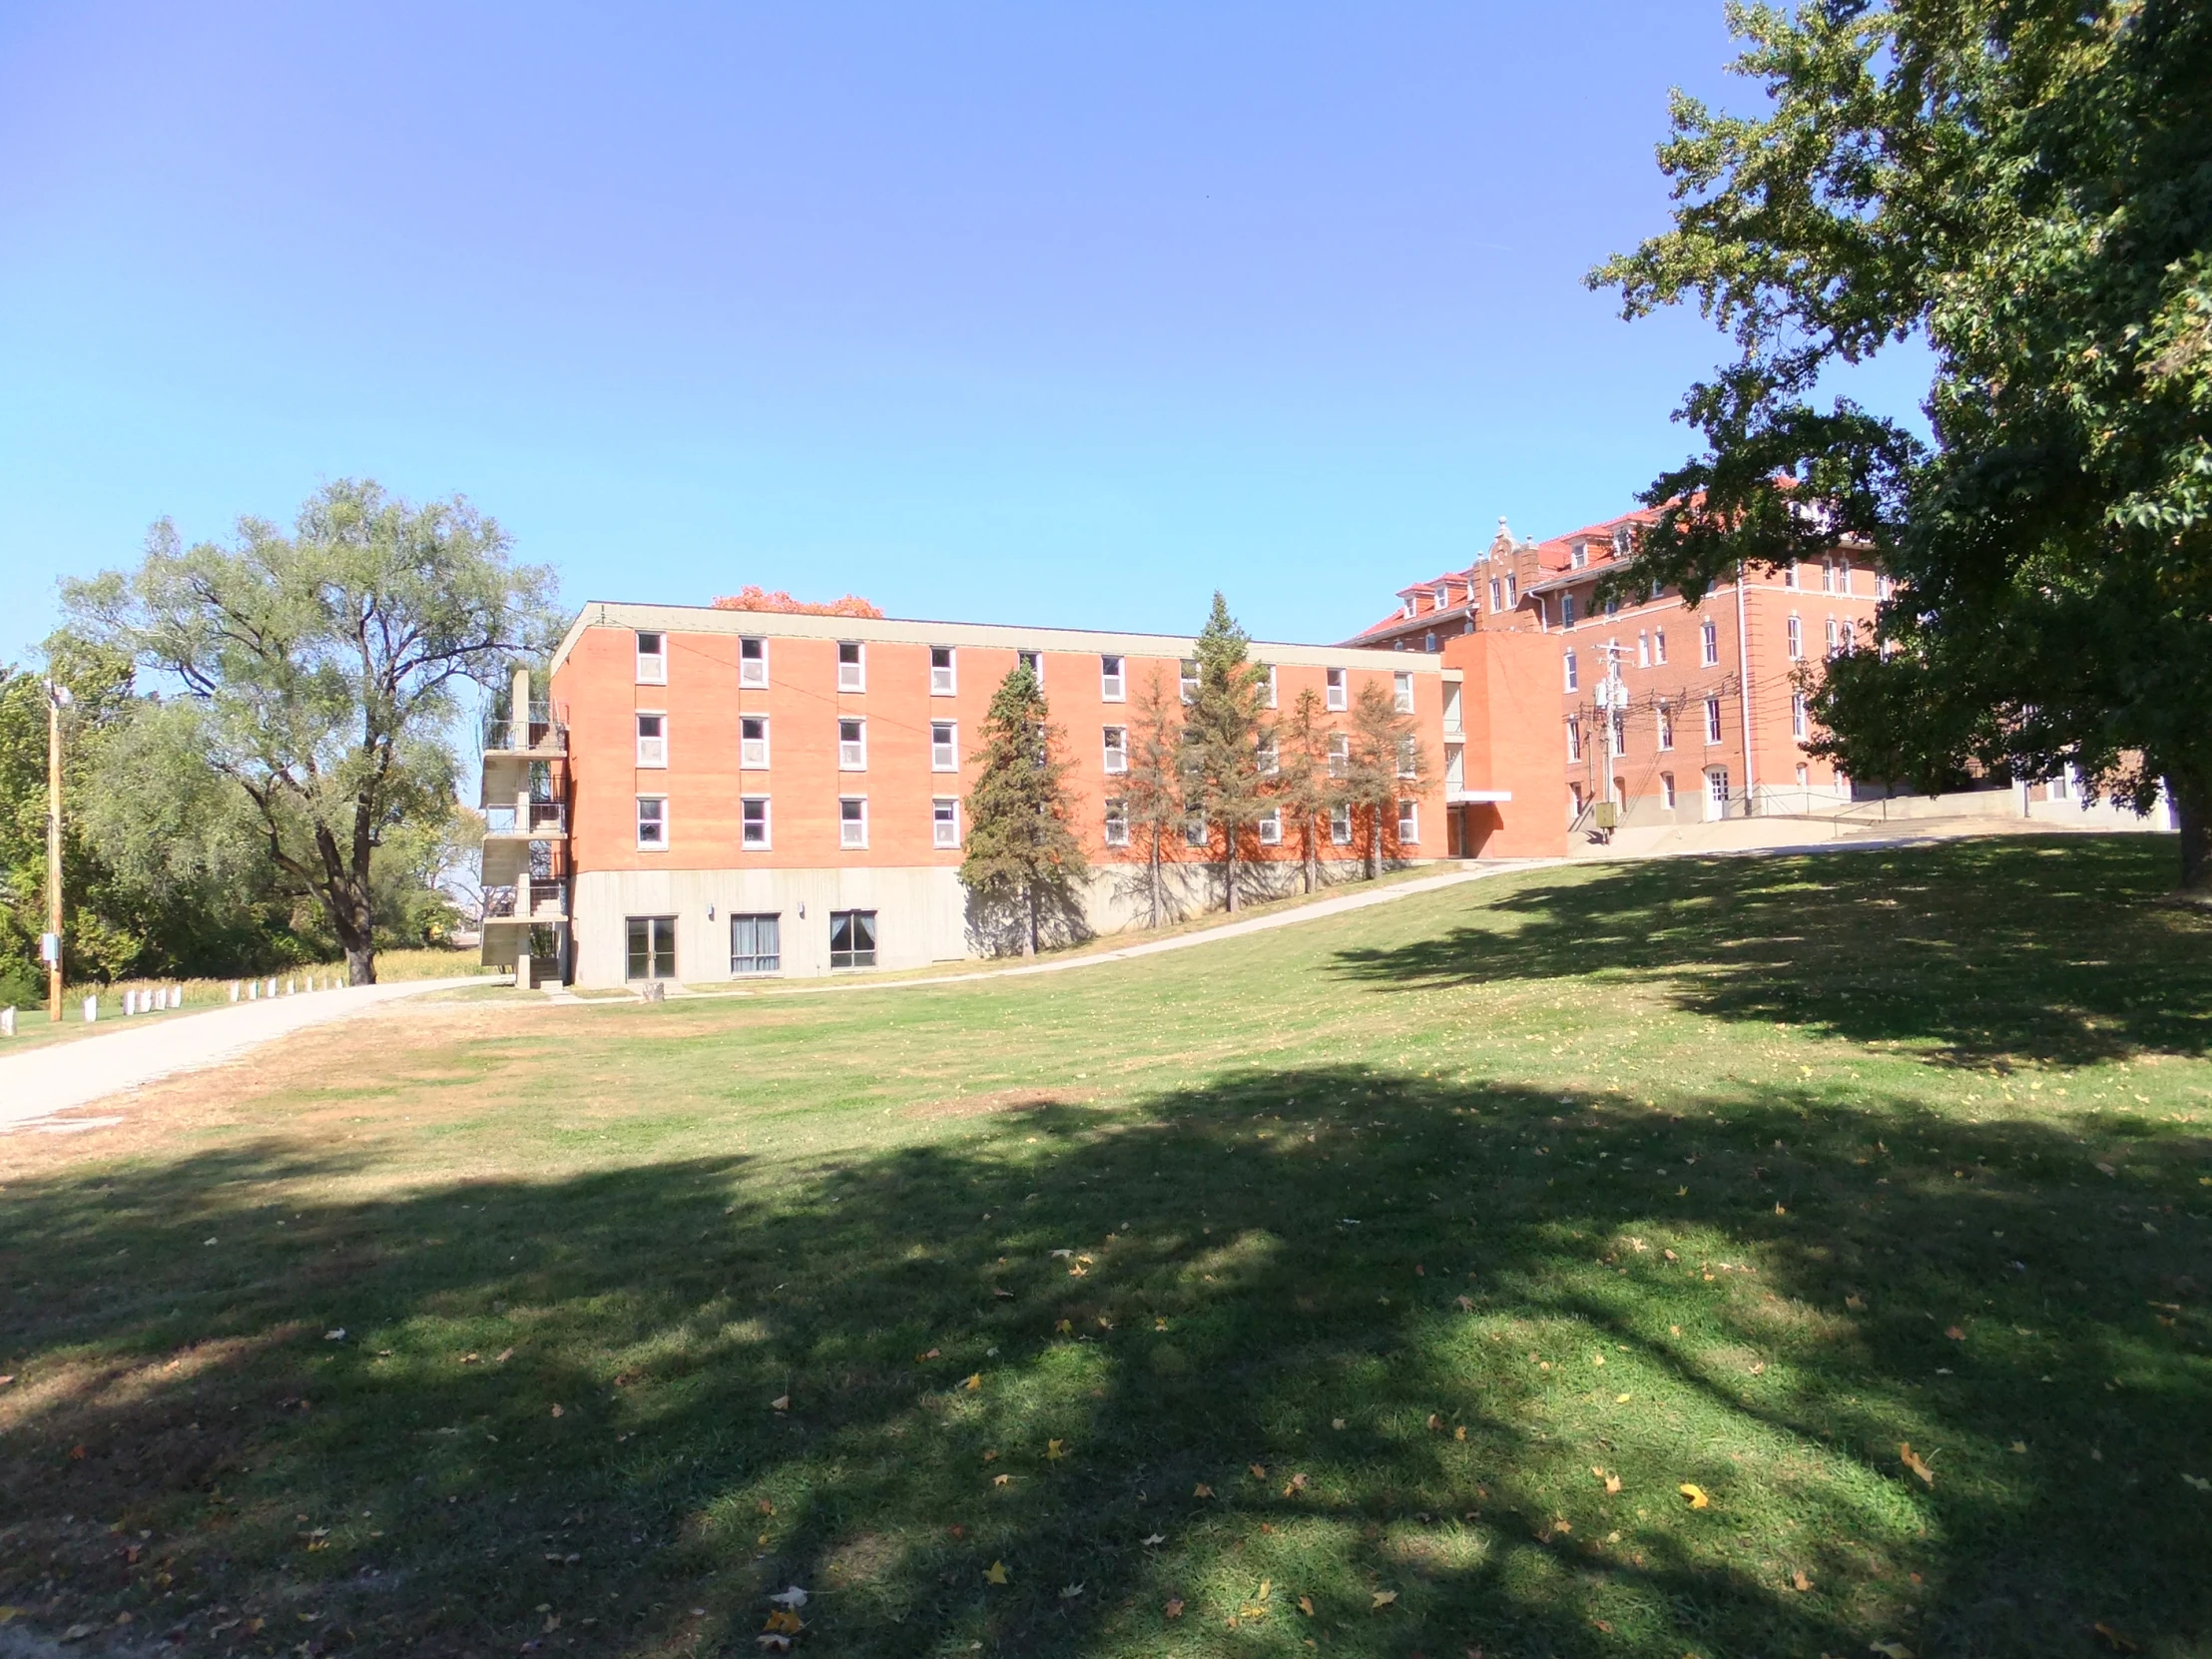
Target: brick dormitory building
711,794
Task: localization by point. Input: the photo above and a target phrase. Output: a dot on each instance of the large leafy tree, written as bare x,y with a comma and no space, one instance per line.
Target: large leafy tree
1384,764
2025,188
1220,739
316,677
1025,859
1306,788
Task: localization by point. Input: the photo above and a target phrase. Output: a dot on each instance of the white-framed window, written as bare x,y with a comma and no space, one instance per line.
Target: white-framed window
1658,645
1112,683
852,938
1828,575
1709,645
1883,587
1117,823
752,661
1643,650
851,745
1574,740
753,742
1340,754
651,658
944,676
1409,824
2061,784
1194,829
1832,636
1116,741
1578,555
652,739
1403,701
653,823
752,823
756,944
1427,643
1266,685
1666,727
1340,824
1574,673
1271,828
1033,660
945,746
1406,606
1803,776
1795,629
1493,593
1566,610
1612,607
1408,758
1439,598
1338,694
1189,680
852,821
1666,791
1265,757
1712,720
1797,716
1512,591
945,822
1624,541
1789,574
851,666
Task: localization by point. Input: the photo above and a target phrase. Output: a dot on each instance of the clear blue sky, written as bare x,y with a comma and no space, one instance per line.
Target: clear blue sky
1054,313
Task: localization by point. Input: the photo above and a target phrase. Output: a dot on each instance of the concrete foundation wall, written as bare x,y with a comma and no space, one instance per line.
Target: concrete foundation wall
923,916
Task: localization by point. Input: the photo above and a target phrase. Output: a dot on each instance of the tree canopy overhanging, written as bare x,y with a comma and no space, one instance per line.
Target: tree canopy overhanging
2025,188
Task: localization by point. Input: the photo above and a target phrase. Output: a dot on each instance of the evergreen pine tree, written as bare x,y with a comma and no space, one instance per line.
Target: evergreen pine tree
1152,793
1023,859
1304,787
1386,765
1221,735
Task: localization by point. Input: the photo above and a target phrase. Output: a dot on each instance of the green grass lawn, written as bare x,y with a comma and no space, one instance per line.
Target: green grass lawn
1375,1286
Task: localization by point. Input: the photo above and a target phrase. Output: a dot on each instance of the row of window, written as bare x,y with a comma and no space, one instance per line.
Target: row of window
945,741
1716,792
945,677
756,943
1616,727
756,825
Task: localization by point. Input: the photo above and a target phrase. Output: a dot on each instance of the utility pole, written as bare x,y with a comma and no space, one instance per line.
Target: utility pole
57,699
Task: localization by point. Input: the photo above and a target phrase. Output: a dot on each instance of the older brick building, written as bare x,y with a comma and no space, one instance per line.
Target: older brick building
1663,712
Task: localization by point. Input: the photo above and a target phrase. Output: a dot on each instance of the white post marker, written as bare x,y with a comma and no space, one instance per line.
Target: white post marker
176,996
233,990
92,1010
7,1021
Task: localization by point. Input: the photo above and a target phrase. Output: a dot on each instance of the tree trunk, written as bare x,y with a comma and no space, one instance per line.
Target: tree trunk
1154,860
1375,842
2193,806
1229,867
1029,939
343,891
1306,853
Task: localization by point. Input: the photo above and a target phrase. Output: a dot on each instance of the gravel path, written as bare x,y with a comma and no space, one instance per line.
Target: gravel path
41,1081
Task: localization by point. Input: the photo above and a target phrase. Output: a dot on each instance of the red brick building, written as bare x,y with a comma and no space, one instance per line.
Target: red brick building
1666,714
709,794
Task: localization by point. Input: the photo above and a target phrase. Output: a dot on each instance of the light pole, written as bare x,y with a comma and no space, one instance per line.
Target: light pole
57,699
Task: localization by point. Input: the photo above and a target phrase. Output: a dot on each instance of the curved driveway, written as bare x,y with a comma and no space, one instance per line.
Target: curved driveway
53,1078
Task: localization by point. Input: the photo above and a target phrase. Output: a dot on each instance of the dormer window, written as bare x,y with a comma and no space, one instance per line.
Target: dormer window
1439,598
1405,609
1624,542
1579,554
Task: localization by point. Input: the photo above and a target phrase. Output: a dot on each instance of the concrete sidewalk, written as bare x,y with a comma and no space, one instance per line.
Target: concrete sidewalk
37,1084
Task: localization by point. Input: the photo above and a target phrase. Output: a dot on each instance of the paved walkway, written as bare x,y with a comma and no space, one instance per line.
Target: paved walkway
41,1081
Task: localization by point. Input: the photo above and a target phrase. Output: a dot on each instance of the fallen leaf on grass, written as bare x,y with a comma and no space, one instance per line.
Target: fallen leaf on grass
1461,1432
1054,1451
1856,1303
1258,1471
1174,1608
1068,1592
1563,1527
974,1383
1383,1598
1890,1650
925,1359
503,1355
1066,1327
1696,1494
1954,1334
1202,1490
2120,1644
1911,1461
793,1597
557,1411
1306,1605
2196,1480
1002,1480
784,1620
1156,1538
1622,1400
770,1643
1465,1304
1799,1581
781,1402
997,1573
1297,1485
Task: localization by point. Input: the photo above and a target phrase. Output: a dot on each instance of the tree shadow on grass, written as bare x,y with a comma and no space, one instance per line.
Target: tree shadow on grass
609,1414
2028,949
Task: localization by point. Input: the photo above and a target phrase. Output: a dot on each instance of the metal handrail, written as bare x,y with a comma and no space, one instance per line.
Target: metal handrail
544,726
547,900
546,816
